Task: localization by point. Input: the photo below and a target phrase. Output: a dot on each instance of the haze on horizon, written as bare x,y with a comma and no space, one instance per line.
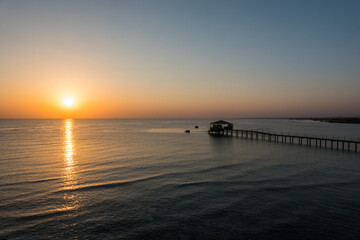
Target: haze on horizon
155,59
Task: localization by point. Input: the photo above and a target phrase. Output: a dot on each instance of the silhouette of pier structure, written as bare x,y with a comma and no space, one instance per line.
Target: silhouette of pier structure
223,128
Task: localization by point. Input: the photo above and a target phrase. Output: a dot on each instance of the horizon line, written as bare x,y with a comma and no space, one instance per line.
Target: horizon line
293,118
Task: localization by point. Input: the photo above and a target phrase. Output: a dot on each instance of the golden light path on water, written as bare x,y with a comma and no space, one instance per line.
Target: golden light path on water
70,174
69,154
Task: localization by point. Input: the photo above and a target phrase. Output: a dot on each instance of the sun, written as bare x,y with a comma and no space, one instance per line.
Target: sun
68,101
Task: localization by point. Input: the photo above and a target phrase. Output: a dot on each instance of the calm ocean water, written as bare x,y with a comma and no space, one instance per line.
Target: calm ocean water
147,179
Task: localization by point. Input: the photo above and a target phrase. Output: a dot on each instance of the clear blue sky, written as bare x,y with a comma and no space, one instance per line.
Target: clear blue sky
183,58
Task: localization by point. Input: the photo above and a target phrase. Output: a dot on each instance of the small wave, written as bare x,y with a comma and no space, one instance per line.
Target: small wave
108,184
245,183
10,129
132,123
309,186
165,130
263,184
219,167
14,158
44,214
29,182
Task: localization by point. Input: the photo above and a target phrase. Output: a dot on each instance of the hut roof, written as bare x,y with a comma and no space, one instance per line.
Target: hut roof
221,122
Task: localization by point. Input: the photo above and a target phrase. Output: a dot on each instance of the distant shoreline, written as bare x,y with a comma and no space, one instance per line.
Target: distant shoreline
332,120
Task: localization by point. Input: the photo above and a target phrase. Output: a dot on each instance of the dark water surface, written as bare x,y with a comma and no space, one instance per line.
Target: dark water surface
147,179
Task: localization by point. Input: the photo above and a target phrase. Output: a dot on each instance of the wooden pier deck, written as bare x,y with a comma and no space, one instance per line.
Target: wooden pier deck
319,142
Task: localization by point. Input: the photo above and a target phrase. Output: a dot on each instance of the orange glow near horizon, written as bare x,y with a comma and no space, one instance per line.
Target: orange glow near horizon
85,95
92,93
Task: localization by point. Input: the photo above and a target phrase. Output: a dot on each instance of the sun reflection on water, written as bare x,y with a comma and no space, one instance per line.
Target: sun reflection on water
69,148
70,174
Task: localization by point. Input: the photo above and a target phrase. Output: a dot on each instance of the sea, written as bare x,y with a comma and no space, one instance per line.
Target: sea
148,179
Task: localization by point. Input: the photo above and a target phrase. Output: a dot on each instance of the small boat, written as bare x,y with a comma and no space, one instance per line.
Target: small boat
187,131
196,126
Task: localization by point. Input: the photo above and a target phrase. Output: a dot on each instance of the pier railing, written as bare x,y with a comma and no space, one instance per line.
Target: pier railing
303,140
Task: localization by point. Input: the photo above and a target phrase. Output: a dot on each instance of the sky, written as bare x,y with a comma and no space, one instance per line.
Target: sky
179,59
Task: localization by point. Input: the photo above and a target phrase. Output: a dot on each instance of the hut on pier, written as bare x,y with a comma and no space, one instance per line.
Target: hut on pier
221,125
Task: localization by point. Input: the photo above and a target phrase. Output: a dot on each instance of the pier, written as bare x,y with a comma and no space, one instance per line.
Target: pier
222,128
